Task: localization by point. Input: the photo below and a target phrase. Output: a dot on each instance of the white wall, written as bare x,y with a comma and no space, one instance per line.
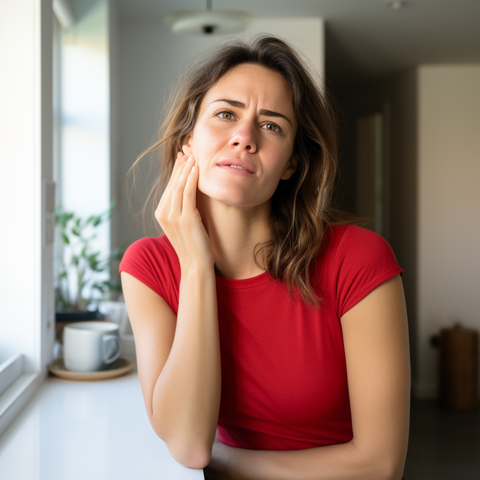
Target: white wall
306,34
150,58
448,207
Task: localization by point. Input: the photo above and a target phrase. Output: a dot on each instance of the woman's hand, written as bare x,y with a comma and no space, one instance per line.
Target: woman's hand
180,219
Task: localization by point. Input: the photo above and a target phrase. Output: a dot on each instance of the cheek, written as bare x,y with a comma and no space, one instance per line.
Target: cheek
200,142
205,145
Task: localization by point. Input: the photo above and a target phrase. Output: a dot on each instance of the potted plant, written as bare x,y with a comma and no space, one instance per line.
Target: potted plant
83,278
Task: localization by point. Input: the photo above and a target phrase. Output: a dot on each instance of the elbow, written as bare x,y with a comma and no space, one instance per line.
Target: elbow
190,448
381,464
185,449
382,471
391,469
395,473
190,456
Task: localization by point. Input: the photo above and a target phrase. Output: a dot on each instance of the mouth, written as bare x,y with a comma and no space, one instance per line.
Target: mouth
236,164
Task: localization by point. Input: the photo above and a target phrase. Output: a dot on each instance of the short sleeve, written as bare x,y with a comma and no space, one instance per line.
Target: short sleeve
154,262
364,260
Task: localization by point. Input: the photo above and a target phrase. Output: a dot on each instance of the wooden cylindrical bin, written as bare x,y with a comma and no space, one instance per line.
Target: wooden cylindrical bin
459,368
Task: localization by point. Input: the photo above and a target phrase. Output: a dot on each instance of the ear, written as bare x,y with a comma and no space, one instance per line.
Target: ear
290,169
187,144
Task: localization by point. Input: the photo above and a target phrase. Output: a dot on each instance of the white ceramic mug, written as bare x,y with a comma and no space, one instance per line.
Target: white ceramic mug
91,346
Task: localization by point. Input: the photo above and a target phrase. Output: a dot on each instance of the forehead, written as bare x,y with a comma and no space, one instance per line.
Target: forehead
250,82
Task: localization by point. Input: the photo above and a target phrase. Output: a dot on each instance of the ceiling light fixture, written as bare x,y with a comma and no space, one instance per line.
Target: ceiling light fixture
209,21
396,4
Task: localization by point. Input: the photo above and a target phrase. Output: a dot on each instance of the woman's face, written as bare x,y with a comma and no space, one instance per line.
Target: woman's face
244,135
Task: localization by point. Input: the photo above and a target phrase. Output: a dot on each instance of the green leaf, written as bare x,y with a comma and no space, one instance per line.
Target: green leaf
76,231
60,301
111,209
62,218
92,260
100,287
65,239
113,286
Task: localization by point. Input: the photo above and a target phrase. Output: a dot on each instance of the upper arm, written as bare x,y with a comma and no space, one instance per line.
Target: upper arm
153,324
375,333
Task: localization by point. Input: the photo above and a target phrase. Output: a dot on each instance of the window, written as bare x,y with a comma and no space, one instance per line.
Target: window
27,320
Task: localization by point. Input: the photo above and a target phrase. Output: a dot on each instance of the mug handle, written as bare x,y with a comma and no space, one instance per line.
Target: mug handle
106,339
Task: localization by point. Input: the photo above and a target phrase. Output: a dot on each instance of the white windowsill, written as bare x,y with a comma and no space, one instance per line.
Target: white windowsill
16,389
14,399
97,430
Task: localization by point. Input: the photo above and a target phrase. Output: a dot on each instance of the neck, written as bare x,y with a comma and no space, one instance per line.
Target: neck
234,233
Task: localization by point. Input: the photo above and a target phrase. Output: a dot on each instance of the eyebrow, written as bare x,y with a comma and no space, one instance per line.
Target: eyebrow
268,113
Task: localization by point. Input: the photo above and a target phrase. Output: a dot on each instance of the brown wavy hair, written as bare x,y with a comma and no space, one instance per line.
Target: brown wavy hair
301,206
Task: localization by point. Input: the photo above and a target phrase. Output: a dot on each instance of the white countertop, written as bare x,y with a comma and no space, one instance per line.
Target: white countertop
87,430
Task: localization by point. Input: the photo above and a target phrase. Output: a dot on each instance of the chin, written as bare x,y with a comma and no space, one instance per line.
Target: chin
230,197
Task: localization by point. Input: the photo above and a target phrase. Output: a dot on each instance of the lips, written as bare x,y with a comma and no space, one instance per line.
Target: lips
238,164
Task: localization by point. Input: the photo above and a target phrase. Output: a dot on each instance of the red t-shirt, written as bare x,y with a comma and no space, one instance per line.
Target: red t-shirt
284,378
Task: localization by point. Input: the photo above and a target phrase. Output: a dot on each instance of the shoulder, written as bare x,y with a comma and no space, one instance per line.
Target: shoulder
148,249
153,261
352,233
354,261
356,245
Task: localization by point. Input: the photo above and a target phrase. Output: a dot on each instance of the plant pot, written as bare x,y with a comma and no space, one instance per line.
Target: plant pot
65,316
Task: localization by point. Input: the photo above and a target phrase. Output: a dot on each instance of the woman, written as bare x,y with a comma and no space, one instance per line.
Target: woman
261,311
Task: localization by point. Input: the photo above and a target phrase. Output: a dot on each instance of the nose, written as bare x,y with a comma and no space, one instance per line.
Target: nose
244,138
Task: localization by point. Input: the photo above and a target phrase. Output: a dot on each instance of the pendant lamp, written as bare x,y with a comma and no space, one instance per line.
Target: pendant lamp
209,21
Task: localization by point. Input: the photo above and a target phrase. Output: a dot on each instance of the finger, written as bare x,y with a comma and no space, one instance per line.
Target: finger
190,191
180,163
179,186
178,166
165,200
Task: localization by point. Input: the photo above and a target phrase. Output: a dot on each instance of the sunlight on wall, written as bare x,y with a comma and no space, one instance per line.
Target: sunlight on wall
84,175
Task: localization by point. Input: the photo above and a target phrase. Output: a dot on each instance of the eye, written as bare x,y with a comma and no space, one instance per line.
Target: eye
273,127
225,114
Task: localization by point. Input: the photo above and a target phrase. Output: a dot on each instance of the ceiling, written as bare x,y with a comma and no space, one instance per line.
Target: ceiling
365,40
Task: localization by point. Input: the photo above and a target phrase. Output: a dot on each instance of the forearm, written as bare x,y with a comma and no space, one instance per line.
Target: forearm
186,396
335,462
